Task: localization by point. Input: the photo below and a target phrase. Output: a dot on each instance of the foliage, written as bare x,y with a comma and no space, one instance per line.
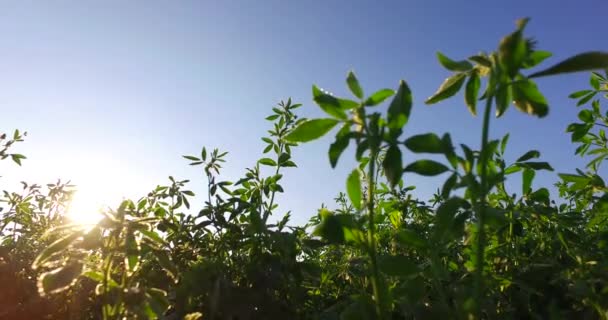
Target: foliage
474,250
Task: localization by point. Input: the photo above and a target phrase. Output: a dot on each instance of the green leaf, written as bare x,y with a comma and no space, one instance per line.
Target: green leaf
392,165
471,92
331,105
452,65
527,98
17,158
512,52
99,278
379,96
412,239
267,162
59,279
448,185
581,62
56,247
503,99
165,262
444,217
311,130
586,99
536,165
481,60
397,266
594,81
585,115
527,177
158,301
426,167
341,143
353,188
330,228
400,108
448,88
535,58
529,155
578,94
353,85
425,143
191,158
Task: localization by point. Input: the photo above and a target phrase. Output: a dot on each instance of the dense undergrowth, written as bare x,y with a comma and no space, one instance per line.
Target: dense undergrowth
475,250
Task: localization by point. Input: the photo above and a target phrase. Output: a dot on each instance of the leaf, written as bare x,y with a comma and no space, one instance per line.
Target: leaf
448,88
527,177
353,188
471,92
586,99
379,96
527,98
581,62
444,216
191,158
311,130
425,143
578,94
397,266
157,298
392,165
330,228
426,167
99,278
341,143
267,162
17,158
535,58
536,165
448,185
512,52
503,99
55,247
132,257
331,105
411,239
353,85
400,108
529,155
452,65
585,115
165,262
59,279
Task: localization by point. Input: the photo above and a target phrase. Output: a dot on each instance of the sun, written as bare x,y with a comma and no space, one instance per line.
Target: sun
98,190
86,206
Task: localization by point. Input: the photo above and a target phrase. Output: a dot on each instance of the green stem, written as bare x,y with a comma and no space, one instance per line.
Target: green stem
372,234
481,241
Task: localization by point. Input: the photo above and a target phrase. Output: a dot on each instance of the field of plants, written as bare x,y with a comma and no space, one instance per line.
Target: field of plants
475,250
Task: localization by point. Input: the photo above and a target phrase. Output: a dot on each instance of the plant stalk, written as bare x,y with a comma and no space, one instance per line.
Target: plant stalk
481,211
372,234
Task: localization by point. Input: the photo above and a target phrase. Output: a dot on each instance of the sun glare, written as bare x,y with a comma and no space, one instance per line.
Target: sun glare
97,191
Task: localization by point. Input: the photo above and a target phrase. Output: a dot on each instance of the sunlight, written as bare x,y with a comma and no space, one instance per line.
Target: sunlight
97,191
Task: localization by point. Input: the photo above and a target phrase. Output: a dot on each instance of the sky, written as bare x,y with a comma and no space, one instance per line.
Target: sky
112,93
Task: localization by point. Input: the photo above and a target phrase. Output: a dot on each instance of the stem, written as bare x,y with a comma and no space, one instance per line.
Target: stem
372,233
480,247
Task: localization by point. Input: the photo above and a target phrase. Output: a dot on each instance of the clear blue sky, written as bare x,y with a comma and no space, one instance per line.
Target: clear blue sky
119,90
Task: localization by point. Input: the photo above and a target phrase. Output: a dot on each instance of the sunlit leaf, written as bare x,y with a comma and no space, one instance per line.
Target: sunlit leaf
353,85
581,62
448,88
311,130
353,188
378,97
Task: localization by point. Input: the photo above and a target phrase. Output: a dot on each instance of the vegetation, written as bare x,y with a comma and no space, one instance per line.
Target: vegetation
476,250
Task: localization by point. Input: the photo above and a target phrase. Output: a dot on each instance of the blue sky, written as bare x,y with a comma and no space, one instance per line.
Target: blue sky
112,93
